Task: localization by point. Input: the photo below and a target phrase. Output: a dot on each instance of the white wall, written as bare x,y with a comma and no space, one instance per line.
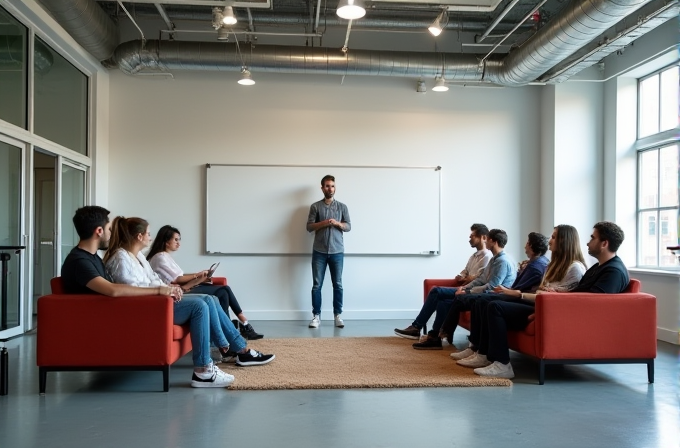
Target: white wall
163,131
572,140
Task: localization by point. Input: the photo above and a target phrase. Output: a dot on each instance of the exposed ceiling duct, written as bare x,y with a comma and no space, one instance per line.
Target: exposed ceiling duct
87,23
578,24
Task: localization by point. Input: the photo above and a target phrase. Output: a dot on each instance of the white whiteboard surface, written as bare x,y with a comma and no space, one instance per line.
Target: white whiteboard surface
263,209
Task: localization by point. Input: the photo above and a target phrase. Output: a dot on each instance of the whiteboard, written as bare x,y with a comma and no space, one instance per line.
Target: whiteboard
263,209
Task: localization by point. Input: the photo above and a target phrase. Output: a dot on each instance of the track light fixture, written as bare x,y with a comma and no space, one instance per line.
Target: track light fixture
420,86
228,17
440,85
439,23
246,78
351,9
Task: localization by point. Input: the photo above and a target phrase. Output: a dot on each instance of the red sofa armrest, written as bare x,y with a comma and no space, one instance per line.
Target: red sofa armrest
595,326
219,281
430,283
96,330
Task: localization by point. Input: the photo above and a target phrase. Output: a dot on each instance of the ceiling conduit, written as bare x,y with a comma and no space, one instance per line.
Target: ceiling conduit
577,24
87,23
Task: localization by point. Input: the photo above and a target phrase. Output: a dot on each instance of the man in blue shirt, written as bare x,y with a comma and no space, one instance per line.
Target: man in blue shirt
529,278
500,271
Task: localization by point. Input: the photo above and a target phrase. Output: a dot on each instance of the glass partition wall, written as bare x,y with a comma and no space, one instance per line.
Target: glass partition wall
44,160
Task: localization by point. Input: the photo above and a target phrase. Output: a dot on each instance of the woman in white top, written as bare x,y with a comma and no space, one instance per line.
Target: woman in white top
168,240
515,310
126,264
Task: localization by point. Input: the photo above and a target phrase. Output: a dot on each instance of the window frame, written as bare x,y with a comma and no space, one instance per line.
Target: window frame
639,103
654,142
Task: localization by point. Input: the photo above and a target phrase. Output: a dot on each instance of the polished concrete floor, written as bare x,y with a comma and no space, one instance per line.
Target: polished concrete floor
579,406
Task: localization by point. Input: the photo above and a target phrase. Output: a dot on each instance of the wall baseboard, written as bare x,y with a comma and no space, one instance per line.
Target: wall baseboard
328,314
669,336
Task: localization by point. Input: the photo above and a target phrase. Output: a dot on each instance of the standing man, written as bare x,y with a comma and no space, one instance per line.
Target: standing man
328,219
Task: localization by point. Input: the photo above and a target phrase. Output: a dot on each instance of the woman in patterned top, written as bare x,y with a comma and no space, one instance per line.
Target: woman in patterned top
168,240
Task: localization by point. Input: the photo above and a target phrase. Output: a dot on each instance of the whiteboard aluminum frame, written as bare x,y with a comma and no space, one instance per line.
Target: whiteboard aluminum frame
437,168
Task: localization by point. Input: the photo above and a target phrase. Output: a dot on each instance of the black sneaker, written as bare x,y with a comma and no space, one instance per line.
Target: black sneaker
410,332
229,356
248,332
429,344
253,358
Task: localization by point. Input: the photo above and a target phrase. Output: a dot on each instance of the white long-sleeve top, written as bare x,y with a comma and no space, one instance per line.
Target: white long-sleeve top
477,263
571,279
123,267
165,266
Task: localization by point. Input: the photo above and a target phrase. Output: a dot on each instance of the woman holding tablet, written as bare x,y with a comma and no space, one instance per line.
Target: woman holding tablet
126,264
168,240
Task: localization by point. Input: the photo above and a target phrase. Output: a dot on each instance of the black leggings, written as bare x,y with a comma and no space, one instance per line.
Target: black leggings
223,293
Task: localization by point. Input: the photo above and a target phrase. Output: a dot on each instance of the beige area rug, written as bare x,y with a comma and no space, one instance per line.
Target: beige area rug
350,363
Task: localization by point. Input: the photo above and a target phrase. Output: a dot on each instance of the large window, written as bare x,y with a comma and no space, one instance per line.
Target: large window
13,73
658,168
60,100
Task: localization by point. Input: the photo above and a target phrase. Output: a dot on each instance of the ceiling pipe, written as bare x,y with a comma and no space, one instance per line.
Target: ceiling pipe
579,23
87,23
132,58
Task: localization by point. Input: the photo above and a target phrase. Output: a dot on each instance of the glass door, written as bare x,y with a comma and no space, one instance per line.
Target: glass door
72,197
11,235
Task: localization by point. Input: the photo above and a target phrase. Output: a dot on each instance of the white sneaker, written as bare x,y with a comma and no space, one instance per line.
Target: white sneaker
338,321
314,322
212,377
463,354
496,370
475,360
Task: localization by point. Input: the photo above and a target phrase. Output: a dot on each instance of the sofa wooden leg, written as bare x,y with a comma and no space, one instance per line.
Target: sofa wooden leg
541,371
166,378
650,371
42,373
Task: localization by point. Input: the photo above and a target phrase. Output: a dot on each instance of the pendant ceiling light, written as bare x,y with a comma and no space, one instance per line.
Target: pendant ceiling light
228,17
439,24
351,9
440,85
246,78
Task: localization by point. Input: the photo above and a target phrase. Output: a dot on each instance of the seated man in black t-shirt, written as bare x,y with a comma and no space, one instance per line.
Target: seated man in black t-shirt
608,276
83,272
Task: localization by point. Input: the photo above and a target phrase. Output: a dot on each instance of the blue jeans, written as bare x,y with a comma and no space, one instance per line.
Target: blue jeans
438,300
334,263
222,331
194,310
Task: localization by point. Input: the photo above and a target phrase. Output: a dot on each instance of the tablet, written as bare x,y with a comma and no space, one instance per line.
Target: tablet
212,269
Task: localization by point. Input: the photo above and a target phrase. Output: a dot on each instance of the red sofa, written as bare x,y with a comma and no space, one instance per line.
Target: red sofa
91,332
584,328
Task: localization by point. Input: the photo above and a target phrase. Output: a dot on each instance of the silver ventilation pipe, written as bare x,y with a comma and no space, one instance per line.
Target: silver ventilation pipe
87,23
133,57
576,25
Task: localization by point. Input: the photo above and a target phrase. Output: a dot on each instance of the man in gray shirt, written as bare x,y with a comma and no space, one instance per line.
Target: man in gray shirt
328,219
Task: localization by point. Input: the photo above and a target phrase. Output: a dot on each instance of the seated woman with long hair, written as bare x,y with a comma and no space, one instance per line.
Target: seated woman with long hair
168,240
126,264
488,352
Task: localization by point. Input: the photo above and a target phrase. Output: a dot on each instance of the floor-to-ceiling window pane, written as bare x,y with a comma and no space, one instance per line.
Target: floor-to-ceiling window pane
13,78
61,102
72,198
10,230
